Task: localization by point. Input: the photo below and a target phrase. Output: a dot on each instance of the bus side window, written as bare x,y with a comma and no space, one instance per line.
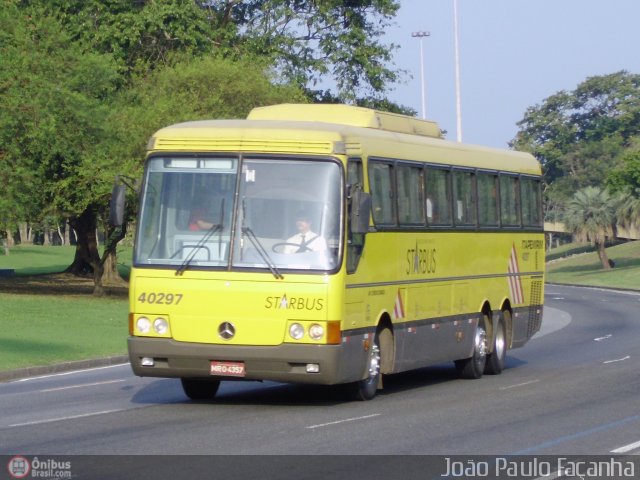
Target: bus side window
464,194
355,241
488,199
509,201
354,172
410,194
531,202
438,196
382,192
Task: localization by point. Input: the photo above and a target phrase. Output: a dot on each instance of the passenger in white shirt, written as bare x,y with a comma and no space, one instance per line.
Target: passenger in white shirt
305,240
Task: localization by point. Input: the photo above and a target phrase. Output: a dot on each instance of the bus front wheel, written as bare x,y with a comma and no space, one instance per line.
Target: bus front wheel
366,388
473,367
200,389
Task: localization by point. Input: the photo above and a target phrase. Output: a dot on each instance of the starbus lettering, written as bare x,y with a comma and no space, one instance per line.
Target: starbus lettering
294,303
421,260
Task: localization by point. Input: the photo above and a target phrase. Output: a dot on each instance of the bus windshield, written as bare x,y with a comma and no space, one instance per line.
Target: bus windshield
285,215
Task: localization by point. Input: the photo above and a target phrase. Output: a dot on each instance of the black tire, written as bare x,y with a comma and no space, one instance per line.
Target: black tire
366,388
473,367
497,358
200,389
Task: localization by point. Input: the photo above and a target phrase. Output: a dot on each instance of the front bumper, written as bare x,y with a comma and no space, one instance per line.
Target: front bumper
341,363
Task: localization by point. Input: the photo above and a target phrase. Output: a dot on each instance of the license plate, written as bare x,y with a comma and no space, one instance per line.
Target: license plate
227,369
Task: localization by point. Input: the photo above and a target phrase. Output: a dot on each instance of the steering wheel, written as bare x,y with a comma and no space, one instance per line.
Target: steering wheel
279,247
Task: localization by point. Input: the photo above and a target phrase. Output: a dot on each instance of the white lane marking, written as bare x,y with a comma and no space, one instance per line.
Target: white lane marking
80,386
606,290
68,373
519,385
627,448
71,417
618,360
599,339
343,421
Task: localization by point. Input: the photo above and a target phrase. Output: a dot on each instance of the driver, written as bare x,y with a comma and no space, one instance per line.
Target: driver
305,240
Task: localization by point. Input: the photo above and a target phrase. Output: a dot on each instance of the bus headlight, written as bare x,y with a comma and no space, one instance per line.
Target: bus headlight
296,331
143,325
316,331
161,326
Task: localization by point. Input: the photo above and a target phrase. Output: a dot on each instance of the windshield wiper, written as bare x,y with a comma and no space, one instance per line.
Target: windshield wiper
197,247
262,252
201,243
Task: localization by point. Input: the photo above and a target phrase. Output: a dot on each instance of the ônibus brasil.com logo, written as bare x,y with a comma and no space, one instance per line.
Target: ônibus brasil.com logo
19,467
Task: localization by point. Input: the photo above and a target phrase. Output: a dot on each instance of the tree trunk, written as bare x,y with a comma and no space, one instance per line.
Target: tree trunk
61,236
107,273
25,233
87,257
98,287
87,261
67,232
110,274
602,254
10,241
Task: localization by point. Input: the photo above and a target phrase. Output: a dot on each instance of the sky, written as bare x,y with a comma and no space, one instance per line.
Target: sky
513,55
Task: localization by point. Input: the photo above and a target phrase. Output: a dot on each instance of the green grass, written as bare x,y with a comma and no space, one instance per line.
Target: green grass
45,329
41,328
38,260
585,269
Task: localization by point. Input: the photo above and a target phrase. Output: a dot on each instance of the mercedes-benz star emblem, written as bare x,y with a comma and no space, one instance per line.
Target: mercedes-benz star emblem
226,330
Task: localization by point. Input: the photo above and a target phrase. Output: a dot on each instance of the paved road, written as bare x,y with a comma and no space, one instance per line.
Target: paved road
573,389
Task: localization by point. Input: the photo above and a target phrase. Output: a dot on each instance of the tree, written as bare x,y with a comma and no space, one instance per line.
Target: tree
308,42
591,216
626,176
579,136
140,35
52,115
69,64
313,40
628,212
625,180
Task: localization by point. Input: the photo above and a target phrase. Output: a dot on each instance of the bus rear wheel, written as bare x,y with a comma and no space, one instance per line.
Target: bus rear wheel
366,388
200,389
497,358
473,367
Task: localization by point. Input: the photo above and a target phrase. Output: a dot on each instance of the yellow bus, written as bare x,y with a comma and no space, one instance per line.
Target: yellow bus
330,244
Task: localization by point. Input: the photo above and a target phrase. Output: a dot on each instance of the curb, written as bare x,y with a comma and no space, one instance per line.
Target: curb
10,375
596,287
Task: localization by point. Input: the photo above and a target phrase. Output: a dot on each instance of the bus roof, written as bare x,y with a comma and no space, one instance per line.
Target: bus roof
336,129
348,115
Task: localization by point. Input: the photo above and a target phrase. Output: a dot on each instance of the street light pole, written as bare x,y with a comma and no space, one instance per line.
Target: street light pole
457,54
421,36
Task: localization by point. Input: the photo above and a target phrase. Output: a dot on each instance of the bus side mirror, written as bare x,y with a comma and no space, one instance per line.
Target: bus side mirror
116,206
360,212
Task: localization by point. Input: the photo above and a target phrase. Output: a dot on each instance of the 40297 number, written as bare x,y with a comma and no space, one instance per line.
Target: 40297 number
160,298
